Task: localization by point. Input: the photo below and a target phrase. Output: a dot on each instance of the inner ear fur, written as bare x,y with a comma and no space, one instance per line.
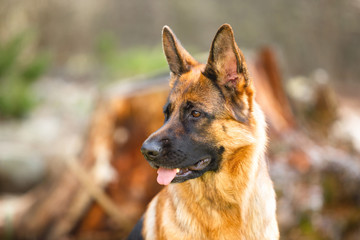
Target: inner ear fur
179,60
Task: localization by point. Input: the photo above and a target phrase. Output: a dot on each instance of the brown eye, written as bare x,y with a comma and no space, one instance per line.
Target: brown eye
195,114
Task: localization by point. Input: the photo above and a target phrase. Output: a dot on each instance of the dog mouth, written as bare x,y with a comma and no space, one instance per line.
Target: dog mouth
167,175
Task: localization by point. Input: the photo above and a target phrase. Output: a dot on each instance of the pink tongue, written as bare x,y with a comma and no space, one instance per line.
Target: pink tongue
165,176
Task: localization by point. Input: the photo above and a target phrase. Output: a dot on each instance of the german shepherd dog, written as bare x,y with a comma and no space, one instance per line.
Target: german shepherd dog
210,151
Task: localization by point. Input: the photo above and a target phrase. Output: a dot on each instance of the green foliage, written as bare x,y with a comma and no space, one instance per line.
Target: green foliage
18,72
307,230
331,187
133,61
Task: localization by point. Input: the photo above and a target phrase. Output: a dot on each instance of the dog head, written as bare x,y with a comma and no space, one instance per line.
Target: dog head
209,111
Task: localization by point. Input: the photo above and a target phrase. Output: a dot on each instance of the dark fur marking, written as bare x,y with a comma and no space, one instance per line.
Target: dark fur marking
238,109
213,81
210,74
136,233
221,150
176,82
167,111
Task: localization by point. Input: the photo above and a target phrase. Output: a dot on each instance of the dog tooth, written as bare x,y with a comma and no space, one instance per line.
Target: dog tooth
177,170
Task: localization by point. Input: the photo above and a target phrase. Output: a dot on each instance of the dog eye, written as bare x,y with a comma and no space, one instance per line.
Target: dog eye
195,114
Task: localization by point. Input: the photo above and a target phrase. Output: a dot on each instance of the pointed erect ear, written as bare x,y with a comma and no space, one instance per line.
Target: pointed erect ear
226,66
179,60
226,63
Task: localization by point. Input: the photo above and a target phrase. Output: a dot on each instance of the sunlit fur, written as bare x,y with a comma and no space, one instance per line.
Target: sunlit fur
235,202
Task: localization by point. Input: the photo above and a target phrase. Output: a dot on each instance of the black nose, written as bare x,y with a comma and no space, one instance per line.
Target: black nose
151,150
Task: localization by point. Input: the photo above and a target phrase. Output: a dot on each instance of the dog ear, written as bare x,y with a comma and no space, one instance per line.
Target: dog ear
227,67
226,62
179,60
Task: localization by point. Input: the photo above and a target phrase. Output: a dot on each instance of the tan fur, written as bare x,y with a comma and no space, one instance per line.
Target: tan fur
237,201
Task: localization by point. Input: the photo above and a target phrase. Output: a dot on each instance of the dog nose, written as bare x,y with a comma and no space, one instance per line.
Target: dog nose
151,149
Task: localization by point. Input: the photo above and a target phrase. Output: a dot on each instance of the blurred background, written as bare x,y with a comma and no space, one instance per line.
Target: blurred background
82,84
